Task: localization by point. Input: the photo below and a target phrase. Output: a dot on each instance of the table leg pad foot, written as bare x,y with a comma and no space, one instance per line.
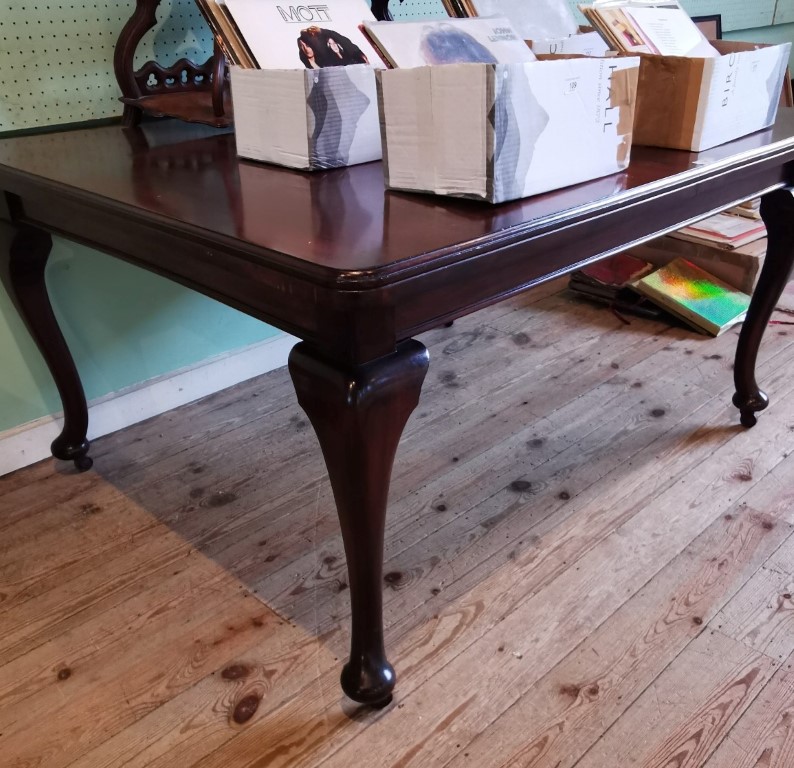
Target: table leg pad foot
749,405
369,682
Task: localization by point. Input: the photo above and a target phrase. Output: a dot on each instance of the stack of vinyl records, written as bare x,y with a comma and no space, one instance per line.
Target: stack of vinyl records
609,282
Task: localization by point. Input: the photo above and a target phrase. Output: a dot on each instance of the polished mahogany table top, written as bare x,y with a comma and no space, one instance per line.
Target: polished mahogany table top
335,224
285,245
355,271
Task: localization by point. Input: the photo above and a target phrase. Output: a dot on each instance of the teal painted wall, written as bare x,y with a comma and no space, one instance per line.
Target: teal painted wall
781,33
123,325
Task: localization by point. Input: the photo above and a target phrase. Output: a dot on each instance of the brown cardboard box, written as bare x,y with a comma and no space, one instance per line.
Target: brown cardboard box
695,104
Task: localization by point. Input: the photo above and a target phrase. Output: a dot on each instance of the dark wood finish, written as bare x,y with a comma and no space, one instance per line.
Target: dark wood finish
29,253
355,271
359,414
185,90
777,211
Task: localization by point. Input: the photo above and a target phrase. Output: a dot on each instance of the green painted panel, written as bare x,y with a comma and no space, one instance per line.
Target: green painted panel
784,13
782,33
123,325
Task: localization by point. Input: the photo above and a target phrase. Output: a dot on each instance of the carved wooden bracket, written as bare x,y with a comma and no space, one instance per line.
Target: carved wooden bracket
189,91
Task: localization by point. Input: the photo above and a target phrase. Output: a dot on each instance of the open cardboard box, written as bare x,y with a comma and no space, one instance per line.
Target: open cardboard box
587,42
310,119
498,132
696,104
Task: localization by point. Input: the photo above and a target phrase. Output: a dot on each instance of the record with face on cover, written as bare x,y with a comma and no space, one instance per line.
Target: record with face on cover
454,41
289,36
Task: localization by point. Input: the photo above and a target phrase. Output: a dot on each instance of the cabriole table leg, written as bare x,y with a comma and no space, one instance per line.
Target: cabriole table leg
777,211
359,413
30,250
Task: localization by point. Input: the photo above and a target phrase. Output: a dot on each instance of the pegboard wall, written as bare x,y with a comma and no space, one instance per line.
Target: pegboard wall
56,56
417,9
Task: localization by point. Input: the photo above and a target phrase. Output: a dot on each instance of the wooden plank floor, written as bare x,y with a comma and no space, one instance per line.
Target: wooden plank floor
588,563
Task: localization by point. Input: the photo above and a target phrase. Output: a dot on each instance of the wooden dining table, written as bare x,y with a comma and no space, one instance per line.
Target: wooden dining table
356,272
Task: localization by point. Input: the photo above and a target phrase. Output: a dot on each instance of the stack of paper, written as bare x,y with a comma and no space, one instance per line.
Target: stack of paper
724,230
751,209
648,26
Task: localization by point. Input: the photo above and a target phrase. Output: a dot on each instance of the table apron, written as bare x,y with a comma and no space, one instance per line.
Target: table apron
348,324
427,300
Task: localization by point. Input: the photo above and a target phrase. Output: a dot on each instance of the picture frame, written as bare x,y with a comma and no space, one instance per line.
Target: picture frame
710,26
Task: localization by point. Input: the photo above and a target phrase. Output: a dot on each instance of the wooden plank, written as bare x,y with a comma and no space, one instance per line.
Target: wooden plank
461,643
678,721
254,505
560,718
707,435
762,615
763,737
493,582
191,637
558,484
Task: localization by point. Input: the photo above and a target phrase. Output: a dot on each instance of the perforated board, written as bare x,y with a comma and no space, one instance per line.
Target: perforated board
417,9
56,59
736,14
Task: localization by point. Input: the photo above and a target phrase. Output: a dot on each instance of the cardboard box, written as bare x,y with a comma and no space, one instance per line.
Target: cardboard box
499,132
307,118
696,104
739,267
586,43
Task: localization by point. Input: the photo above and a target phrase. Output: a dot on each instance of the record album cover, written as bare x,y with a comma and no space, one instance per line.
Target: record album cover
455,41
285,36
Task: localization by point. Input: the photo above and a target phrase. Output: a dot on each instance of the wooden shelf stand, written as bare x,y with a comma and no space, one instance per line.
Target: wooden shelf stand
197,93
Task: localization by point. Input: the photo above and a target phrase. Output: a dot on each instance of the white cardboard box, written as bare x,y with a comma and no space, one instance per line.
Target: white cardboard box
499,132
307,118
584,44
696,104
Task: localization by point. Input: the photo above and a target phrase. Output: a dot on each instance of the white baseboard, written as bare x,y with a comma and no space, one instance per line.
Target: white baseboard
28,443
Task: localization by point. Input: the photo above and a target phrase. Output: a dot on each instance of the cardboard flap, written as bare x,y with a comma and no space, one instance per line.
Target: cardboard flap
668,94
340,113
307,119
270,115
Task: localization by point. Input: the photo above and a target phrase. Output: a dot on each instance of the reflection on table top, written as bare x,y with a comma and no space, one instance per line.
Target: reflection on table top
342,219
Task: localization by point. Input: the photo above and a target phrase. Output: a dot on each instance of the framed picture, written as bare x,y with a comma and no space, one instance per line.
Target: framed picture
710,26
